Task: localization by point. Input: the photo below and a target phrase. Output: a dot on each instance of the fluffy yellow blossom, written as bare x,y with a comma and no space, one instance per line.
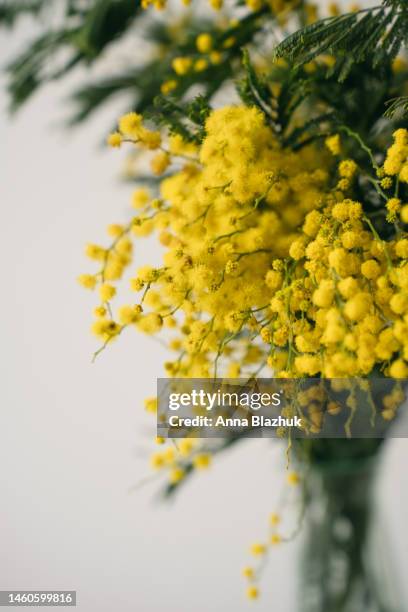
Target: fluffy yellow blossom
347,168
200,64
248,572
297,249
358,306
130,124
333,143
87,280
100,311
93,251
186,446
393,206
403,175
157,461
202,461
160,162
370,269
105,329
324,294
258,549
107,292
252,592
254,5
204,43
386,182
181,65
215,57
308,364
399,303
404,213
115,139
115,230
399,369
273,279
176,475
150,404
140,198
401,248
168,86
129,314
333,9
293,478
132,129
150,323
397,153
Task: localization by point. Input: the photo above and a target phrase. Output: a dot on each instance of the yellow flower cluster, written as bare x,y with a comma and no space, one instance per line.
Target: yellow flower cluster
160,5
264,262
131,129
176,460
268,261
277,6
232,209
206,55
342,299
261,550
396,162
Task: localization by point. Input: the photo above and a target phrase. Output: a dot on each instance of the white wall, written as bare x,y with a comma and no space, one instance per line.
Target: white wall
74,437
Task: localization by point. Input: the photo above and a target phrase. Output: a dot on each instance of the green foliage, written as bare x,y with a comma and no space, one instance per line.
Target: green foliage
397,107
254,89
102,24
84,34
308,105
143,81
373,35
186,119
10,10
363,45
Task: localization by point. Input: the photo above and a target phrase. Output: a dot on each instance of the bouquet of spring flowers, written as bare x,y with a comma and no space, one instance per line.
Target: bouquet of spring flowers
280,210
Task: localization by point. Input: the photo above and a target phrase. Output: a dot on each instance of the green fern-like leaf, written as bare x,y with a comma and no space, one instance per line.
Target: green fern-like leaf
397,108
374,35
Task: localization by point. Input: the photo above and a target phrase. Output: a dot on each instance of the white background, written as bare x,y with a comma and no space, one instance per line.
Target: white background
74,437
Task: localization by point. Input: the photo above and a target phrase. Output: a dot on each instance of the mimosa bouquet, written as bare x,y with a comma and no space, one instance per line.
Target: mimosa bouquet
279,207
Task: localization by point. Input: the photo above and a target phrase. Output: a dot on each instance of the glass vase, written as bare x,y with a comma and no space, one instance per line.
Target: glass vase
345,566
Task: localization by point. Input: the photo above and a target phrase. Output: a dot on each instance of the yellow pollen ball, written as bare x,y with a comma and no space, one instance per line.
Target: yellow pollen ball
370,269
202,461
252,592
176,475
399,369
182,65
404,213
275,539
204,43
333,143
258,549
248,572
115,140
358,306
88,281
106,292
293,478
